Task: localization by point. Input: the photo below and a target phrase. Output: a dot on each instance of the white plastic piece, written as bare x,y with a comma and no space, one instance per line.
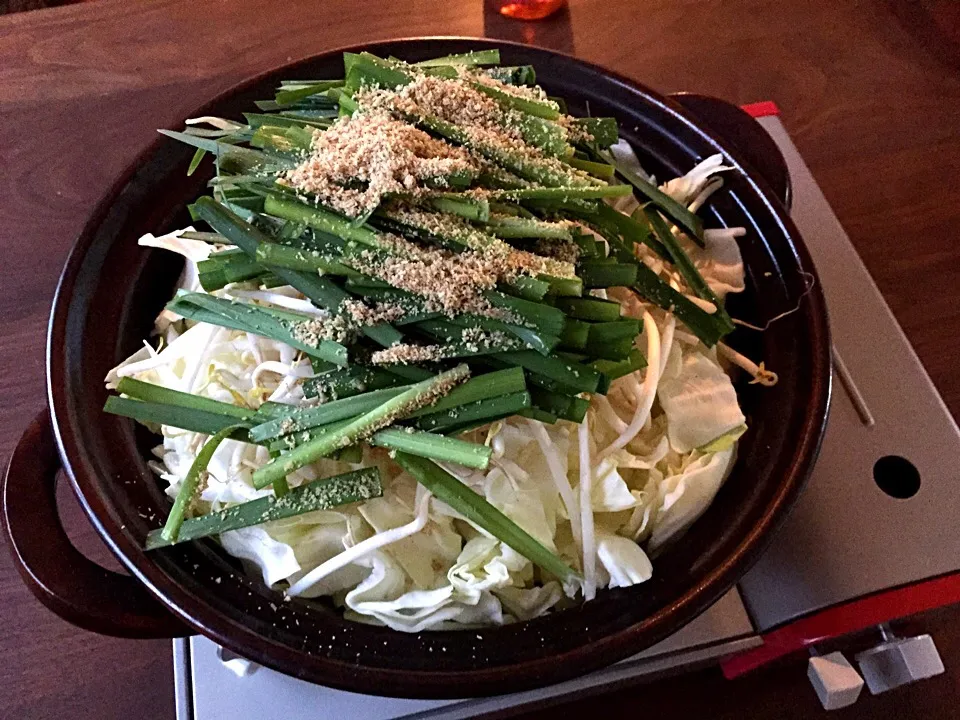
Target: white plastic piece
898,662
836,681
239,666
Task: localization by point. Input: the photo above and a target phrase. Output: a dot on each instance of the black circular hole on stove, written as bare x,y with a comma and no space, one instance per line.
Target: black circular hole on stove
896,476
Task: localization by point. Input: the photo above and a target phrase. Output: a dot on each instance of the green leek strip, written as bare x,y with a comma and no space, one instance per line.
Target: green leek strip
477,209
291,97
206,237
256,320
603,129
320,219
578,410
606,275
603,171
349,381
527,287
704,325
198,156
613,350
562,286
539,415
590,308
571,376
435,447
589,247
475,57
487,410
685,220
256,120
311,103
188,488
413,373
556,404
543,343
633,228
215,274
612,369
455,343
200,421
511,209
546,135
246,158
535,326
321,291
477,510
288,442
306,418
575,335
326,494
362,427
536,108
295,258
592,192
544,318
289,139
151,392
518,227
685,265
626,328
652,287
559,405
481,387
516,75
324,116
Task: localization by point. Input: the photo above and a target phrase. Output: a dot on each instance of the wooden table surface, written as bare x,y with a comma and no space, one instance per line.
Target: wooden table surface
869,90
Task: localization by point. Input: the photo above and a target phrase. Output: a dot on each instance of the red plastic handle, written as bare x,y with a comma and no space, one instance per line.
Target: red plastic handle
62,578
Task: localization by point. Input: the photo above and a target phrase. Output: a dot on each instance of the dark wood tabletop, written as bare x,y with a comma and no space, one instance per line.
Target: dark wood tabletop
869,90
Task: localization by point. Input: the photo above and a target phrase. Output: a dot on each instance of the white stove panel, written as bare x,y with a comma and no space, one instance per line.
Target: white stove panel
883,404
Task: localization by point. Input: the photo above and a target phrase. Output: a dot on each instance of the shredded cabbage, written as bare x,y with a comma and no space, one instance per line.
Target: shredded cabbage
647,462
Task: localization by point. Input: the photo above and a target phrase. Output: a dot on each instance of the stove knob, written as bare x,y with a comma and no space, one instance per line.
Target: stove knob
239,666
899,661
836,681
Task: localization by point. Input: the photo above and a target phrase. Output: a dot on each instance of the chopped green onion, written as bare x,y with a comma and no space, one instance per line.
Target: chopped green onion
201,421
607,275
487,410
188,488
326,494
299,419
258,321
685,265
393,409
435,447
475,57
481,387
686,220
571,376
151,392
590,308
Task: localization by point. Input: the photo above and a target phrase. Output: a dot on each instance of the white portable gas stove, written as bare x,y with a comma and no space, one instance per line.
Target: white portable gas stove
851,556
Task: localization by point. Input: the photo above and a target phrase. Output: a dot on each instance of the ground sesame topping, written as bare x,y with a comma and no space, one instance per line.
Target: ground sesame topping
407,354
453,282
379,153
363,315
490,129
527,92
